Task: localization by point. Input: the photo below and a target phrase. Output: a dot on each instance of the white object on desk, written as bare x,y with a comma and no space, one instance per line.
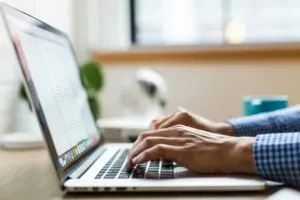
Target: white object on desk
144,95
124,123
9,79
120,129
24,132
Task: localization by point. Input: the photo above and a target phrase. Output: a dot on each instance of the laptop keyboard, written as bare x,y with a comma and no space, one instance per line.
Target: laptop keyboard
155,169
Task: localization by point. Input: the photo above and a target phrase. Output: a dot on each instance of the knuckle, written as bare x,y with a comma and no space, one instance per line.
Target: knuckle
180,130
184,114
159,148
143,135
188,134
148,141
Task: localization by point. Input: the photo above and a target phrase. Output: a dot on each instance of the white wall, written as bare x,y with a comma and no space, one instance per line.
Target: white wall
211,89
100,24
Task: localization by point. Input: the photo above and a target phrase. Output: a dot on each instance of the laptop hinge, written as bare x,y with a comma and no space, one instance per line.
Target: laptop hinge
87,163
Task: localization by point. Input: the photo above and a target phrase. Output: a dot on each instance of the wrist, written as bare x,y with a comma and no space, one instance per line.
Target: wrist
224,128
241,156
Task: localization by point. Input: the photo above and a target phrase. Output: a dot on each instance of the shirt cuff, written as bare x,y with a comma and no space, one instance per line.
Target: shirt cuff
252,125
277,157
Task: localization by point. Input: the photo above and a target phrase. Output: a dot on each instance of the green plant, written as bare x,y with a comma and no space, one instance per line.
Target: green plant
93,81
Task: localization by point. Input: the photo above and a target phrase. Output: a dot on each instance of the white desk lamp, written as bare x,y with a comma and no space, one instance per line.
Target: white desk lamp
143,97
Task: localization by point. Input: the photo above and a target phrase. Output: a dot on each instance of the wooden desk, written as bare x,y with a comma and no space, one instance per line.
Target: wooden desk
29,175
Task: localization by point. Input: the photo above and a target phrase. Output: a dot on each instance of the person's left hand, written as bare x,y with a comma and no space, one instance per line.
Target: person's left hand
197,150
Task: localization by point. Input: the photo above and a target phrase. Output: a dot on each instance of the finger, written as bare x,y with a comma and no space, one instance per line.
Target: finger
200,133
167,132
157,123
152,141
164,151
175,120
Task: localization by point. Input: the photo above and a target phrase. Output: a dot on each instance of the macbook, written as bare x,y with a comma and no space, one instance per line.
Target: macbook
83,162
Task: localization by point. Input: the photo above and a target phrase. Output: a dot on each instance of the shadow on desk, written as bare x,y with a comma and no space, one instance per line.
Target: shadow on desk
175,195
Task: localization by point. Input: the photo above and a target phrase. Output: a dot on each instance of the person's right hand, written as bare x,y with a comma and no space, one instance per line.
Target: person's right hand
184,117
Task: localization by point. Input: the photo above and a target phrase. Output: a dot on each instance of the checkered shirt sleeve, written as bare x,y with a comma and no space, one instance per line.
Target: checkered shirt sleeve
277,157
282,121
277,143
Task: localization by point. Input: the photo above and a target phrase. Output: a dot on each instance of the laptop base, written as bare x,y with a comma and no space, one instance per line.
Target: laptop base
184,180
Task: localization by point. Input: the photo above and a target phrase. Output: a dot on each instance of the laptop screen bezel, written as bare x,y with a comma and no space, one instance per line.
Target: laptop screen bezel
6,10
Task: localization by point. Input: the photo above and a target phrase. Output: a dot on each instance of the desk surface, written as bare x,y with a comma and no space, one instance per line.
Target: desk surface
29,175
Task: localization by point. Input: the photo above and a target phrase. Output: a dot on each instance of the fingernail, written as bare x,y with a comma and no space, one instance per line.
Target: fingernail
137,160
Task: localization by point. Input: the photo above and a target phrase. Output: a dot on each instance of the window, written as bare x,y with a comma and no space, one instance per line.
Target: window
214,22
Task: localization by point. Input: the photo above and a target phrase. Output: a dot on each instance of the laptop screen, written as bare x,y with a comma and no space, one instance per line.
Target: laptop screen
52,76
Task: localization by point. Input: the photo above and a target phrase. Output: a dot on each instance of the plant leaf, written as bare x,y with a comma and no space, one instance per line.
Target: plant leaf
92,75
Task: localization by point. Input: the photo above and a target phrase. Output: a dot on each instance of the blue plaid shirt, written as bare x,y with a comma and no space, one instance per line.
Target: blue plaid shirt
277,146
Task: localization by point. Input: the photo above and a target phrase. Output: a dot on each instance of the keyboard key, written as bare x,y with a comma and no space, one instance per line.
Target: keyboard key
152,175
157,169
114,170
138,175
139,171
109,177
106,167
141,168
166,176
124,175
152,171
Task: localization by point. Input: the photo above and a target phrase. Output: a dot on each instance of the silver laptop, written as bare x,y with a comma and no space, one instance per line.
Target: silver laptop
81,160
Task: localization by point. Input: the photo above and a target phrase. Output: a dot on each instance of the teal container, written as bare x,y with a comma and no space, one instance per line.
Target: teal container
255,104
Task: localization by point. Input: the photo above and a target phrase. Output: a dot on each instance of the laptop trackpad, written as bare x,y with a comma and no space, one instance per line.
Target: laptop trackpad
182,172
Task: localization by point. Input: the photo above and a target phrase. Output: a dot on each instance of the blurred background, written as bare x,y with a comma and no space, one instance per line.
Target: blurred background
210,53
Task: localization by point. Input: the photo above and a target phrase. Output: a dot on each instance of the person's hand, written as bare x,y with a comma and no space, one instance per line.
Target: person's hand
197,150
184,117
